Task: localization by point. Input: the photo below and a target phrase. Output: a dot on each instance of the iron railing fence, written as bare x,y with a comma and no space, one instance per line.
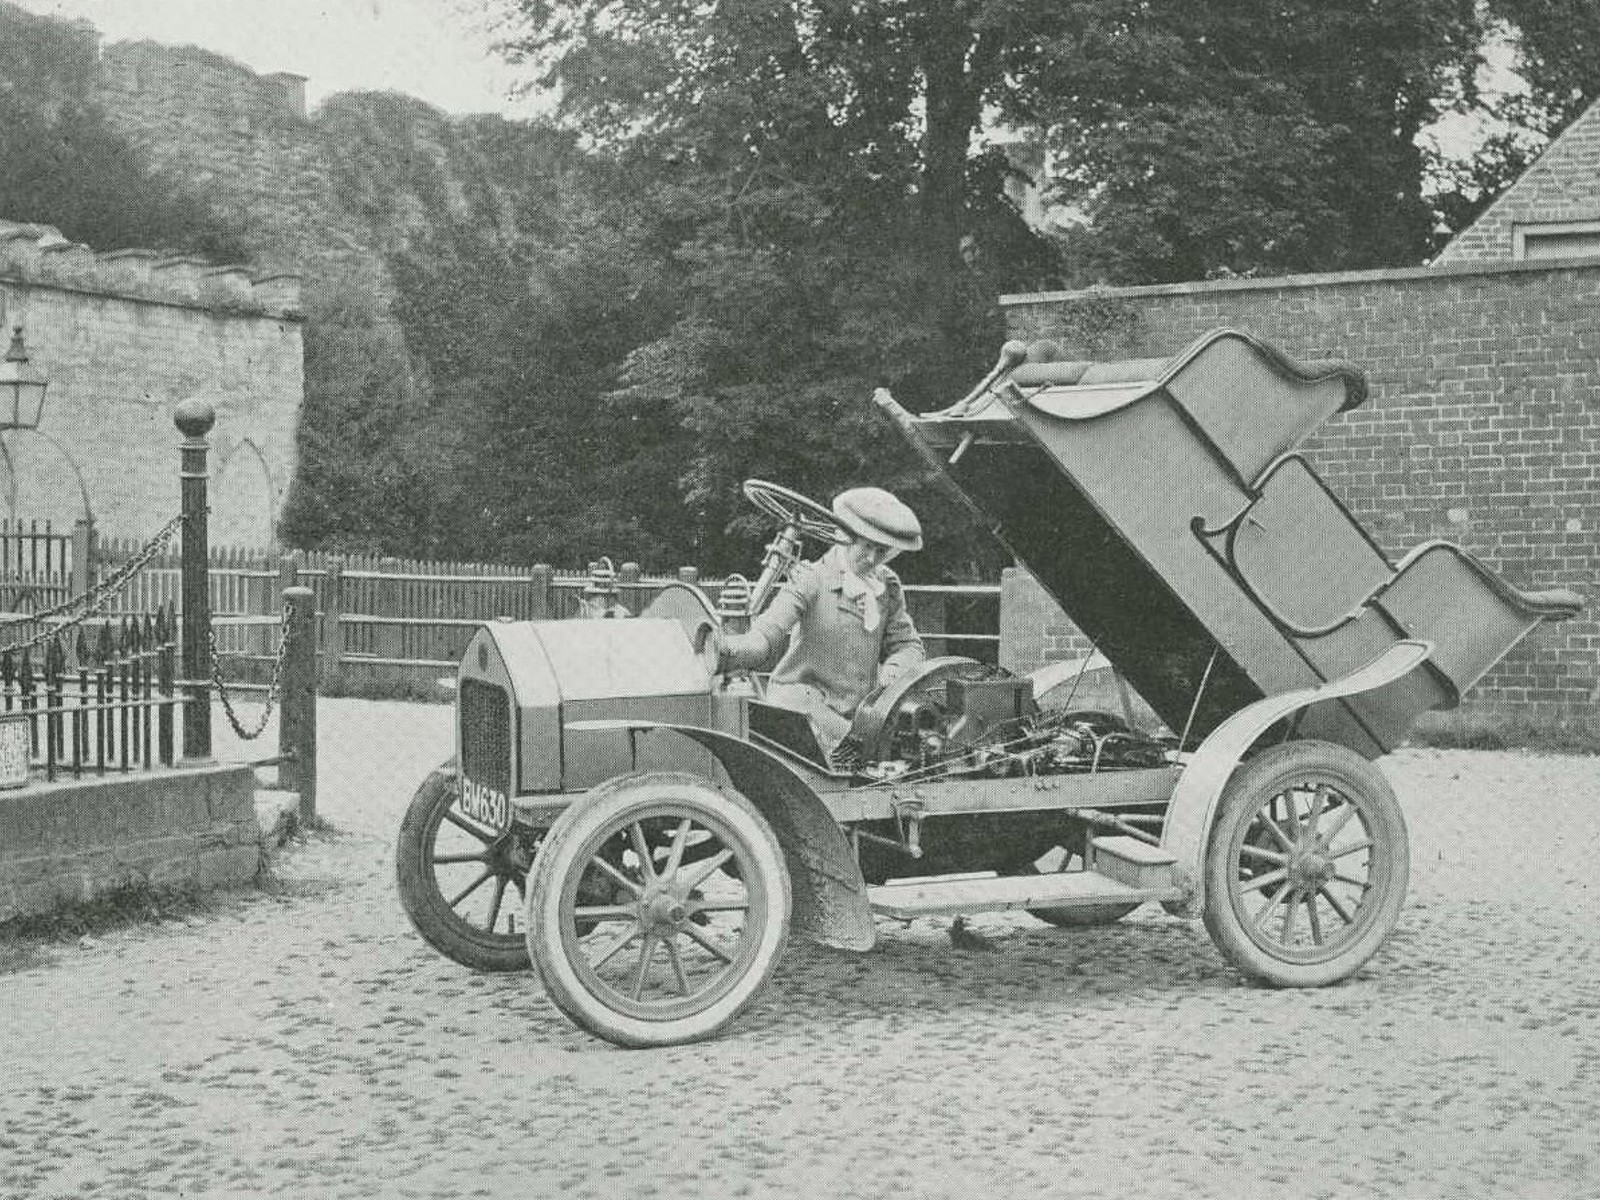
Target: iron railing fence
99,696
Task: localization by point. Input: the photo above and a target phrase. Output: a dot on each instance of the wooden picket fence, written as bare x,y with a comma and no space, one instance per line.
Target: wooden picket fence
404,623
41,566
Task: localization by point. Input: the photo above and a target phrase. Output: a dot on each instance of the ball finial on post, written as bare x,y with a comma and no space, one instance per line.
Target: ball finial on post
194,417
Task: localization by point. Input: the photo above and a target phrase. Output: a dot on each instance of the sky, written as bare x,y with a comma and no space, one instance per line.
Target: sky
436,50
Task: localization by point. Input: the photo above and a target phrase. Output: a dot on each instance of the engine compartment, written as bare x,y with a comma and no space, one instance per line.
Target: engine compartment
955,717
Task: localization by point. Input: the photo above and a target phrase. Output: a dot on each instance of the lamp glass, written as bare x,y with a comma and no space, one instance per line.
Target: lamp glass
21,389
30,403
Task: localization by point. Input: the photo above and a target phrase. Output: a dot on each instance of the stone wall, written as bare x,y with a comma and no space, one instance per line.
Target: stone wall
70,841
1483,426
123,337
244,141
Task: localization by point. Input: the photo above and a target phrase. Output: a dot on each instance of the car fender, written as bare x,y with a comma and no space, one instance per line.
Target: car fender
1187,829
830,896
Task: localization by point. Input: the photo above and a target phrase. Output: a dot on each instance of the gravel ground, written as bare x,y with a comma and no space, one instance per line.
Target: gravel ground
306,1043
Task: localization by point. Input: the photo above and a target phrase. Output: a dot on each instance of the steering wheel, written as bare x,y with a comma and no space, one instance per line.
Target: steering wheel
808,517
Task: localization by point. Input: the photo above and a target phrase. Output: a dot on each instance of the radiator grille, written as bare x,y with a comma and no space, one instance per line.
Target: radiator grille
484,711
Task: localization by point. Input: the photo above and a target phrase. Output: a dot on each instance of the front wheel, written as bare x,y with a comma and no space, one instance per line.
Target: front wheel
1307,866
658,908
461,878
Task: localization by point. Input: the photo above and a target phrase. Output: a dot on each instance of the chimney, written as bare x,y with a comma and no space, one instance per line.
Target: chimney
291,89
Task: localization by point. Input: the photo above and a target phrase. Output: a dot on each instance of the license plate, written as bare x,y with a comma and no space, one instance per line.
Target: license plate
485,804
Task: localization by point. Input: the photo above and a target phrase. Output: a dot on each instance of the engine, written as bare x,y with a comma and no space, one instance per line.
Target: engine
955,717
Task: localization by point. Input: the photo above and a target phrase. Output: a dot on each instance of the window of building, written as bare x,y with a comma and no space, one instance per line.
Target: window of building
1565,239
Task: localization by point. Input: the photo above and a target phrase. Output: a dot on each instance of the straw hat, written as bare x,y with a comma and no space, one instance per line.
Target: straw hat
877,516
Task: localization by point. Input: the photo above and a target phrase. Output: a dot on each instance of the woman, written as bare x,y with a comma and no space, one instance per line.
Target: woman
843,618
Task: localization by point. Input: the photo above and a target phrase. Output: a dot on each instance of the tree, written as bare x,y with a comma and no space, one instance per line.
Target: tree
65,166
812,175
1555,53
806,175
1244,136
457,414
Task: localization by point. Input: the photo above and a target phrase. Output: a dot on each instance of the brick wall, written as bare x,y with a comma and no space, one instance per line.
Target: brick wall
1033,629
123,337
1483,426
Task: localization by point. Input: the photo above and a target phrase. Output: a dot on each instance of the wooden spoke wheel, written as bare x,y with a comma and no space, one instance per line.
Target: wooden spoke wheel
1307,866
669,940
462,880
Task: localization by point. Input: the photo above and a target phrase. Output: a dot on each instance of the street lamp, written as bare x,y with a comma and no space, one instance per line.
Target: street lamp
21,388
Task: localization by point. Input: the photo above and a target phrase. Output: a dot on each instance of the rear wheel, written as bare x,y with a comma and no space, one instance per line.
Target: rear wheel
670,940
1307,867
461,881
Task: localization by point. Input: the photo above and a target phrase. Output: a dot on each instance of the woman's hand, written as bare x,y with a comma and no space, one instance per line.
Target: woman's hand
710,648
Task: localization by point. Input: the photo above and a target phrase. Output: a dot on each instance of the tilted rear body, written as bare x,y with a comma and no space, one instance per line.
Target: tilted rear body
1162,505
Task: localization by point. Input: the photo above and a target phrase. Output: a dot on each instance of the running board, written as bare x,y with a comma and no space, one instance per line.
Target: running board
1071,889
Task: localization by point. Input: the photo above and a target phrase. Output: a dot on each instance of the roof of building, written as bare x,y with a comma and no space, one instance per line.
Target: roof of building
1561,187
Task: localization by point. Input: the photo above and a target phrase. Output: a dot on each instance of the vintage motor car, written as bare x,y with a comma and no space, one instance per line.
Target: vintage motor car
647,831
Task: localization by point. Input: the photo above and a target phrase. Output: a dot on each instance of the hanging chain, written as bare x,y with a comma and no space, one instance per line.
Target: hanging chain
98,598
272,687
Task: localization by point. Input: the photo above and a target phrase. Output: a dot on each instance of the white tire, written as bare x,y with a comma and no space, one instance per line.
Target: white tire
658,908
1307,865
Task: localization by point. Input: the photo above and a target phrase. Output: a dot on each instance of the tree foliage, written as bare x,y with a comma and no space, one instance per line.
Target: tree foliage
1555,56
814,178
804,175
460,416
1204,137
62,163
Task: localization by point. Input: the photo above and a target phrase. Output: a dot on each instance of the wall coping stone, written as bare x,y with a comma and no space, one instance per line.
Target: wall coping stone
1441,273
39,256
256,308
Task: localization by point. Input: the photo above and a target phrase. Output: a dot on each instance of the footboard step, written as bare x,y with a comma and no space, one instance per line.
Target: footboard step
926,897
1131,861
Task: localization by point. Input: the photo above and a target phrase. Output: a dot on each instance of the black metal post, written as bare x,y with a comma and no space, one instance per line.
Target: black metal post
297,721
83,552
194,419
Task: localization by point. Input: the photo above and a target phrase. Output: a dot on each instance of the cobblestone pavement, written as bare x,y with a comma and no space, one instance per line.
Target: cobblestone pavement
308,1044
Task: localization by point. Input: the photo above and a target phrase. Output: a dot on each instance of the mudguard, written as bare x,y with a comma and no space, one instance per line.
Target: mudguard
1187,829
830,896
